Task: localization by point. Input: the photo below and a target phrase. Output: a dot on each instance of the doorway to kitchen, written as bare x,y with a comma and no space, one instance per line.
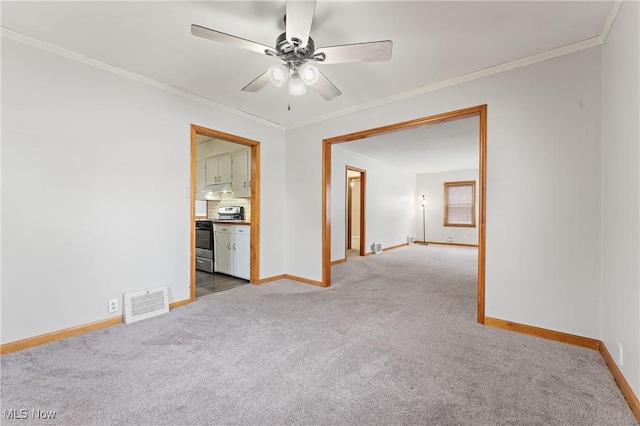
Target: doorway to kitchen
225,182
355,212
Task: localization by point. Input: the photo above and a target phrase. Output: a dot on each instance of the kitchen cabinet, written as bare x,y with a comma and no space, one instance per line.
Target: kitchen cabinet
223,250
217,169
241,178
241,259
233,250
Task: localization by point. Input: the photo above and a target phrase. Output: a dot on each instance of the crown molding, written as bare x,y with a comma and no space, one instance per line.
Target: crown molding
518,63
75,56
529,60
608,23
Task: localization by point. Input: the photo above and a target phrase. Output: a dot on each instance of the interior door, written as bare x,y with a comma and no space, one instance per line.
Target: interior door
354,224
355,211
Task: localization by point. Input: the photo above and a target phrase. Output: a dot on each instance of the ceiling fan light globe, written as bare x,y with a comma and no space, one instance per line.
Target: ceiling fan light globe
297,87
309,74
278,74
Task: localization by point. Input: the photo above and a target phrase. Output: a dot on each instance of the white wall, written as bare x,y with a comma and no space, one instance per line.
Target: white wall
390,201
106,160
543,202
432,186
621,193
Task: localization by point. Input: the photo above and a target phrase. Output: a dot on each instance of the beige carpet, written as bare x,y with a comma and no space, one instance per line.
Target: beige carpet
393,342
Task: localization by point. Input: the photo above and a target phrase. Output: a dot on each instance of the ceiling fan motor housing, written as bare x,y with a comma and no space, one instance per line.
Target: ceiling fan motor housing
294,55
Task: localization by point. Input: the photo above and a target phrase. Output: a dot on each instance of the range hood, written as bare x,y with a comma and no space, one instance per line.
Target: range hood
213,192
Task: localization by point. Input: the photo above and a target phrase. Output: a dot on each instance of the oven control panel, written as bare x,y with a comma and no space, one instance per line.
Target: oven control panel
204,224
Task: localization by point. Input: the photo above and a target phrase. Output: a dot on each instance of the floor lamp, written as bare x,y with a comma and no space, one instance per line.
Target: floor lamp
423,206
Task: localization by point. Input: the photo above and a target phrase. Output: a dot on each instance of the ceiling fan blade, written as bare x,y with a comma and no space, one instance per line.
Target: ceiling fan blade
359,52
203,32
325,88
298,20
257,84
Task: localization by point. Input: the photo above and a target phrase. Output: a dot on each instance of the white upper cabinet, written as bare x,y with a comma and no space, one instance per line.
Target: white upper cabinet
241,182
218,169
224,168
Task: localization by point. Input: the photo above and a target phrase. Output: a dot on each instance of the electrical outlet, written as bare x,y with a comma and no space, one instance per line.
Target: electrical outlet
113,305
449,239
619,354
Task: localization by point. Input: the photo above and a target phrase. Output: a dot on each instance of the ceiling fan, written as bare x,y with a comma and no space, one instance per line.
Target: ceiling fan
298,54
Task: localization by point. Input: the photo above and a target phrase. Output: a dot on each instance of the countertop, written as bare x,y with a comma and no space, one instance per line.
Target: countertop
231,222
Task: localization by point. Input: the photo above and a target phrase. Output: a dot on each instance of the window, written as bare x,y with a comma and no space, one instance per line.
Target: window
460,203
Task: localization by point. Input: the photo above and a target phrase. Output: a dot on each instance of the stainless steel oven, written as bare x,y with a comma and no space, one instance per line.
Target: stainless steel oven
204,245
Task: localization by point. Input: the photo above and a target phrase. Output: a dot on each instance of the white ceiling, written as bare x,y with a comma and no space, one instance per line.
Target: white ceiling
432,42
430,148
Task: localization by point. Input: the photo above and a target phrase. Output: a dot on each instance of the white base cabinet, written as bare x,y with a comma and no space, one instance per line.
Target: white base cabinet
232,250
223,251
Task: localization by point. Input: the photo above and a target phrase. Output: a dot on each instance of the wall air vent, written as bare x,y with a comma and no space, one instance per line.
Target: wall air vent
377,248
139,305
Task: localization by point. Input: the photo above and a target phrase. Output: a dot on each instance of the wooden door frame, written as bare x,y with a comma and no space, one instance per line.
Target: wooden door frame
363,180
254,250
479,111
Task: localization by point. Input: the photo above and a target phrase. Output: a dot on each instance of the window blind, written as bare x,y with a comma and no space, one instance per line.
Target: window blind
460,203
